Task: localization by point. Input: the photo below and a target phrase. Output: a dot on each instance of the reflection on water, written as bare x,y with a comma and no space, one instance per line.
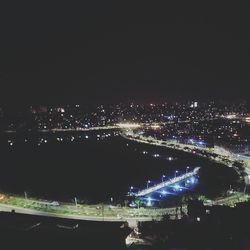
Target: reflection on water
96,169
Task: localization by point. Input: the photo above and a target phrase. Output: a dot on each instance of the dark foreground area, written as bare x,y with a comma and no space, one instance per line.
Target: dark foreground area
36,232
202,228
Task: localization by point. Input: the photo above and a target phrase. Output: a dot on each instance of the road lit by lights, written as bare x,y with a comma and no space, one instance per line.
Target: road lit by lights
128,125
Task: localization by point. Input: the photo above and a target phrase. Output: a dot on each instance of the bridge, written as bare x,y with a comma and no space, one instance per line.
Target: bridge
167,183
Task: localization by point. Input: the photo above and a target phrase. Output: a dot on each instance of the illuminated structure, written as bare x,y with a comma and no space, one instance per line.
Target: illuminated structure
172,182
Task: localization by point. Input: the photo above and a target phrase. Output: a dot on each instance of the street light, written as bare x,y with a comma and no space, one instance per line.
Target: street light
148,182
187,168
162,178
176,171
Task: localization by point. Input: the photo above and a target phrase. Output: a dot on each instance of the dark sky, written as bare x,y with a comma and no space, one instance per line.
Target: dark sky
94,52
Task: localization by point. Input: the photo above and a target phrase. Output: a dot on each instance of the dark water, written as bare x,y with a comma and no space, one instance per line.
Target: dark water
96,170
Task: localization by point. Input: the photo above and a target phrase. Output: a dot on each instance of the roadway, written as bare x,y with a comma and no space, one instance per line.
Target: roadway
164,184
132,221
223,156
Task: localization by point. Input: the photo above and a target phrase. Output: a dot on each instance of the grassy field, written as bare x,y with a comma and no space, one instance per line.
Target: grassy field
103,210
98,210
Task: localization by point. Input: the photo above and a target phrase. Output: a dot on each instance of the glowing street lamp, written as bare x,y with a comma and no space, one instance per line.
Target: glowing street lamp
162,178
187,168
148,182
175,173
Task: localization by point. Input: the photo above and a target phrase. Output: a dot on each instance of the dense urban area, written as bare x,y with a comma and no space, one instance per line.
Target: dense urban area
223,122
219,132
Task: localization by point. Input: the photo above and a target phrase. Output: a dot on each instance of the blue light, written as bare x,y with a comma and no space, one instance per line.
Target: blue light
149,202
163,192
192,180
177,187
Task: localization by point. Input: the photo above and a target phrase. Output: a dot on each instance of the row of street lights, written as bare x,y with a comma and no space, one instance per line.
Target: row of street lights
162,179
164,176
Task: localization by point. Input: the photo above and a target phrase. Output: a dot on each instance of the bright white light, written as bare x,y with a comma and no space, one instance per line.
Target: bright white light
231,116
192,179
128,125
177,187
86,136
149,202
132,204
156,155
155,126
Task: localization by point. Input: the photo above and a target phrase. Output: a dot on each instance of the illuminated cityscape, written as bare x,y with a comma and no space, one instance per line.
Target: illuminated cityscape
178,158
124,125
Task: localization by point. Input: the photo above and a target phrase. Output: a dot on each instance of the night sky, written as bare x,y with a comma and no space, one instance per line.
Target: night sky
131,51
